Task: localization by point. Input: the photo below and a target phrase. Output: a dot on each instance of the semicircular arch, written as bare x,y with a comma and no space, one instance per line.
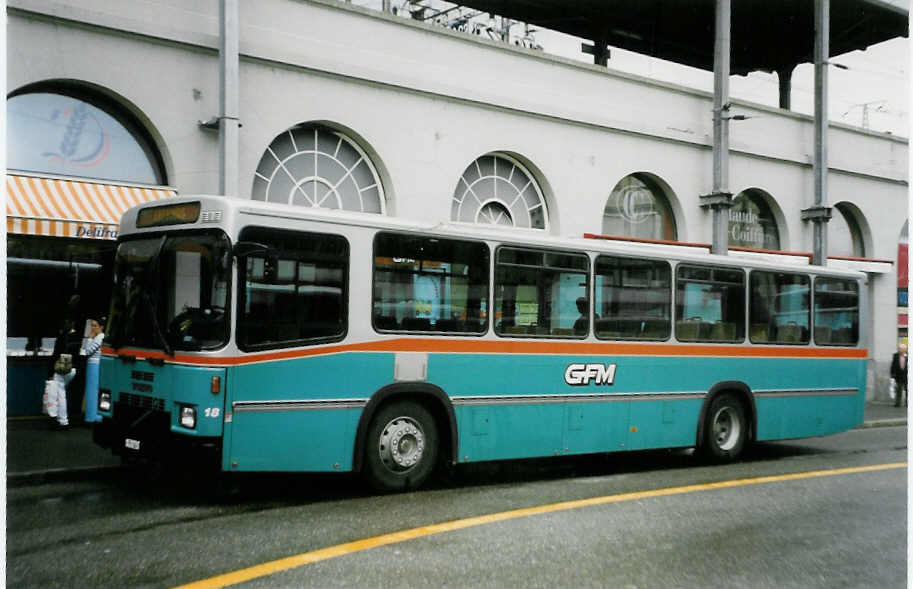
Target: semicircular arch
756,221
321,164
849,233
643,205
503,188
77,128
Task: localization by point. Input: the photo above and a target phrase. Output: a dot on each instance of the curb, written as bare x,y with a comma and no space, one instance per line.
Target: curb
883,423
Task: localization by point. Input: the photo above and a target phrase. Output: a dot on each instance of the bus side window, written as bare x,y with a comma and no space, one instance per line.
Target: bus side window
779,308
710,304
633,298
296,294
836,312
541,293
425,284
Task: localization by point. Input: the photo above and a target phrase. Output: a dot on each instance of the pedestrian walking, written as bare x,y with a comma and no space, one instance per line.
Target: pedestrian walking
63,374
93,359
899,375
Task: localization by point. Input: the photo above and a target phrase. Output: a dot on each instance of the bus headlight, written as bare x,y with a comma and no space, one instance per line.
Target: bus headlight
188,416
104,400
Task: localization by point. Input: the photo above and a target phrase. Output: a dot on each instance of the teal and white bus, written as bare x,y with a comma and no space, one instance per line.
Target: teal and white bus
269,337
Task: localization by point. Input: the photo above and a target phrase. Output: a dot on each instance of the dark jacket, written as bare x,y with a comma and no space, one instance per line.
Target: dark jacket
68,342
897,373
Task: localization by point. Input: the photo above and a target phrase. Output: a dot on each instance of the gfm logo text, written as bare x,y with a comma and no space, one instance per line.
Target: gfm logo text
581,375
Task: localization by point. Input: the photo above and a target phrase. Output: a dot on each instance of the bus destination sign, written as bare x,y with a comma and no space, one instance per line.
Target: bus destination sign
176,214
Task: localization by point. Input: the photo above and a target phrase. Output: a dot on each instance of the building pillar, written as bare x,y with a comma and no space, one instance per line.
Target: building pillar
820,213
229,122
720,199
785,77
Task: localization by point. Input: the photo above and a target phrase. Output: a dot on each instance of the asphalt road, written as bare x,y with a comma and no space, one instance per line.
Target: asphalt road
657,521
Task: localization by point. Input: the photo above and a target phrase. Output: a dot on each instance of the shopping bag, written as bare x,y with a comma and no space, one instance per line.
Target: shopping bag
892,389
49,402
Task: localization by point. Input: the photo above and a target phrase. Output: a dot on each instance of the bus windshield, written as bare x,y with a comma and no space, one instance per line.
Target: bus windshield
171,292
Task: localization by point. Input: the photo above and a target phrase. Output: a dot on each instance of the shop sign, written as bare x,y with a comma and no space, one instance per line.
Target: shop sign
750,227
90,232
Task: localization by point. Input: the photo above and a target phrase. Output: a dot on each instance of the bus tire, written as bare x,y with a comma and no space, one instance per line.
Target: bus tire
401,447
725,429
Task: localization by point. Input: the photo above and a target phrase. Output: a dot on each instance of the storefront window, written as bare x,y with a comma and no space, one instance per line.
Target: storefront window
57,133
638,208
50,279
752,223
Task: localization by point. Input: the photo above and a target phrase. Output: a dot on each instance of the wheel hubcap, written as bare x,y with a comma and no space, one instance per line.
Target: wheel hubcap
726,428
402,444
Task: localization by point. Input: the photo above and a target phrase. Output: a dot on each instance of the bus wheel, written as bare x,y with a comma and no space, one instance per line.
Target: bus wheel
725,429
402,447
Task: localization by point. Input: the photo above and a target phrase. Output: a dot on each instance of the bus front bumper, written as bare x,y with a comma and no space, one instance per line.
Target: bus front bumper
152,439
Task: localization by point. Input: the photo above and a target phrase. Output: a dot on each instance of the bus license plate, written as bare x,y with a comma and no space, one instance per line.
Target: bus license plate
132,444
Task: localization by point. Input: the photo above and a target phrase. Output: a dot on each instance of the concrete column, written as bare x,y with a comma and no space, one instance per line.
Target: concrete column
785,77
820,213
720,199
229,122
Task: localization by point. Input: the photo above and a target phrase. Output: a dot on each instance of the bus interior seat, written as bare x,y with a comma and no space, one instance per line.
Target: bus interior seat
789,333
385,322
286,332
844,335
446,325
416,324
472,326
723,331
823,334
758,333
687,330
605,327
655,329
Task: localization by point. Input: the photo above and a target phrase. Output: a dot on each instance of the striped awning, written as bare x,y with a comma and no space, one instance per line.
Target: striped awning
71,208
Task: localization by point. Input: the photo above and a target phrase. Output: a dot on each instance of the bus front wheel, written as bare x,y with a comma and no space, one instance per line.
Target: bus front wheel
402,447
725,429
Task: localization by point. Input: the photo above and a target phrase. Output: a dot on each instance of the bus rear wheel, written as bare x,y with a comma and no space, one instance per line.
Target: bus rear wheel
725,429
402,447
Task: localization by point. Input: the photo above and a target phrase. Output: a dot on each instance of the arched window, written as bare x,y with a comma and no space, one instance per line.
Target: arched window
70,131
752,223
844,236
638,207
315,166
498,190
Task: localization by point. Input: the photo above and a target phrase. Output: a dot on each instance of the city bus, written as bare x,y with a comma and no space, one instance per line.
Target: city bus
270,338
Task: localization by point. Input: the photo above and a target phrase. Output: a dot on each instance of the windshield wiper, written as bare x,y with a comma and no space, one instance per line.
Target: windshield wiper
155,325
153,301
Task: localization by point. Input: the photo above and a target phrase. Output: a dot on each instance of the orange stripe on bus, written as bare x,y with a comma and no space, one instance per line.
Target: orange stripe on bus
510,347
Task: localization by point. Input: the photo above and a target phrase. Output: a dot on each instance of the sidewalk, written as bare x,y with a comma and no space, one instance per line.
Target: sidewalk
36,453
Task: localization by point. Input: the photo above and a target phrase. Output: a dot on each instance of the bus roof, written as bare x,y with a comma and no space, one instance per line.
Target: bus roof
235,209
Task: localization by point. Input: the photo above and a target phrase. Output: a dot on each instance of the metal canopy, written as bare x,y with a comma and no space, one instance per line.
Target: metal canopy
767,35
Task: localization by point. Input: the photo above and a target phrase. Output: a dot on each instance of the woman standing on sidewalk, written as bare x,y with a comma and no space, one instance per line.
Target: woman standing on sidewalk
93,358
899,375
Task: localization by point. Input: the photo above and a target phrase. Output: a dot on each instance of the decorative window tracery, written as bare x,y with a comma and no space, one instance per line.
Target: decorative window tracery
314,166
497,190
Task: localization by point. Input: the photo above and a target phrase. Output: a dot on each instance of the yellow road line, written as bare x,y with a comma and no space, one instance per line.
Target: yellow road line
283,564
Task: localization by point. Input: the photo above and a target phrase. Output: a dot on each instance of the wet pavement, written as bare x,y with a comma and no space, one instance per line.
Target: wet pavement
36,452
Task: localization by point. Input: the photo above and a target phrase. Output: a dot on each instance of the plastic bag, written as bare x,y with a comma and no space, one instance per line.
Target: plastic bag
892,389
49,402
